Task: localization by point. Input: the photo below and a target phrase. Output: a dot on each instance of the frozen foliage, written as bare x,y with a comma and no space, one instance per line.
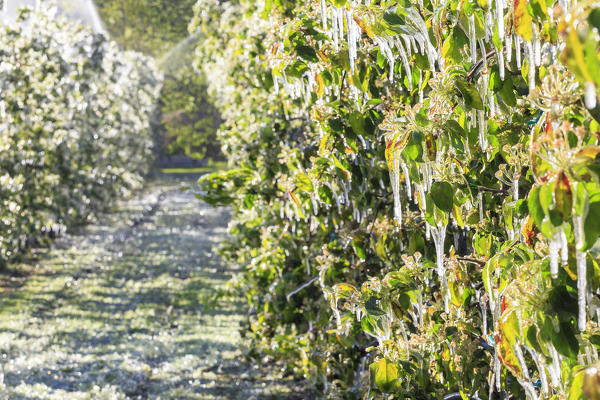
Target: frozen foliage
482,124
75,121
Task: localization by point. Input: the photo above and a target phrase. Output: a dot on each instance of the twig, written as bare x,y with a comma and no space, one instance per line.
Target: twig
492,190
293,292
479,64
375,218
471,260
476,67
342,84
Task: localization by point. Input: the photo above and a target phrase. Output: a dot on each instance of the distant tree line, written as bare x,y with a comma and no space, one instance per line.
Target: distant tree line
187,120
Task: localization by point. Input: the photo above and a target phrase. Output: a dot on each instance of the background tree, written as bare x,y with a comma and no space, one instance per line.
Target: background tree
152,27
188,121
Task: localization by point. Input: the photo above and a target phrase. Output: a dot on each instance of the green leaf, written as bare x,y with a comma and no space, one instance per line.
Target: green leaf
369,325
576,389
414,148
442,195
397,279
372,307
359,248
507,93
535,208
386,376
594,18
357,122
537,8
469,95
565,341
451,50
267,9
307,53
591,225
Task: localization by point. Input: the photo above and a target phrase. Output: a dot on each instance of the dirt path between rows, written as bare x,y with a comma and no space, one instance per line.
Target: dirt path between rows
116,311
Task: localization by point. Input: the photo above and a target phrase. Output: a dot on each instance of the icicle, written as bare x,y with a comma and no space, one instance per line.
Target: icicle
421,193
427,176
480,204
403,55
508,46
554,248
525,382
564,249
407,180
340,17
420,86
501,63
351,40
482,130
540,367
581,262
315,202
530,66
500,18
497,370
518,50
484,319
395,179
324,15
386,50
489,23
334,29
580,257
537,46
275,83
362,142
472,39
439,237
346,198
554,368
590,95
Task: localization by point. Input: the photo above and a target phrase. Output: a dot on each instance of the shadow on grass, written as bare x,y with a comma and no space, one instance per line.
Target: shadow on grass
123,306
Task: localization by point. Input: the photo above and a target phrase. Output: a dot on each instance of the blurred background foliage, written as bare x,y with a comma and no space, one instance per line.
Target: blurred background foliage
187,121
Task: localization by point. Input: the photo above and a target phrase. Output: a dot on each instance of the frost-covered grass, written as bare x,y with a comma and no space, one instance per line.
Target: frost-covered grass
117,311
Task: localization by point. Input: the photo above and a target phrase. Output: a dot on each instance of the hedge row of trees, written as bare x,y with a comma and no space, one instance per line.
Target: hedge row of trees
158,28
416,191
75,117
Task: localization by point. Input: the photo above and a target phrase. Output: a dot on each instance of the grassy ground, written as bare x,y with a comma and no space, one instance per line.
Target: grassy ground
116,311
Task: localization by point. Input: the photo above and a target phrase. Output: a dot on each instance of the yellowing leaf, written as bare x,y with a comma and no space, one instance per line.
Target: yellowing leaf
386,376
397,143
507,331
345,290
320,88
523,20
